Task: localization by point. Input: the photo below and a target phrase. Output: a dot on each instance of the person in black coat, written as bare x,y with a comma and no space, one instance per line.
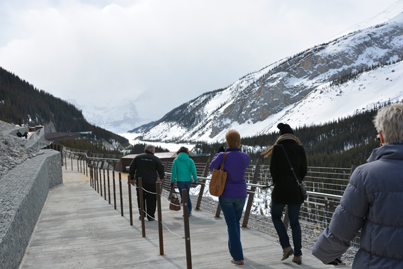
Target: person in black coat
286,189
147,166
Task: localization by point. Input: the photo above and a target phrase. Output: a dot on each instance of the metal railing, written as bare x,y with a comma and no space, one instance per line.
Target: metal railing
325,187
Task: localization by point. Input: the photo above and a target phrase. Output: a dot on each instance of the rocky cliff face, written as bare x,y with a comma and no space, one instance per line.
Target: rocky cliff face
270,91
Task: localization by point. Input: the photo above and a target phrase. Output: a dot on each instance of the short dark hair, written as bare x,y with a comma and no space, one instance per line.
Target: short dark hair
183,149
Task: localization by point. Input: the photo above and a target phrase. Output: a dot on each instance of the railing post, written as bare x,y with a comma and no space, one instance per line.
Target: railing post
218,211
103,170
114,189
141,206
160,232
205,173
251,196
96,177
129,189
100,180
286,219
109,187
91,180
121,195
186,227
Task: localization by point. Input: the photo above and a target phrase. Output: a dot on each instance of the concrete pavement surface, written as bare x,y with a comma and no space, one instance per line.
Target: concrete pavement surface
78,228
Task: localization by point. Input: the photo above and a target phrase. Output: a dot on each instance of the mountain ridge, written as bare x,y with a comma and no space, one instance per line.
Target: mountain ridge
258,101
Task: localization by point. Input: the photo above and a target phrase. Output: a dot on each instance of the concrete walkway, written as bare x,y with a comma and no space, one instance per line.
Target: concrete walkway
78,228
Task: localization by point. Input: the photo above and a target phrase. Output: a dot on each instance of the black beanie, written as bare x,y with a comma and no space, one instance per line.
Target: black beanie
285,129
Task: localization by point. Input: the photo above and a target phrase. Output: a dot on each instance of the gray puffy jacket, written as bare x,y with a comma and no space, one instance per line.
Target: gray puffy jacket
373,201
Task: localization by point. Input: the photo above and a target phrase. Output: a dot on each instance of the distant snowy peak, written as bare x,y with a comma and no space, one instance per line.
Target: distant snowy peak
316,85
386,16
118,117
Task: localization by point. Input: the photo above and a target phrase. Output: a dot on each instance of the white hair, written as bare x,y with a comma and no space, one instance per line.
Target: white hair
149,147
389,120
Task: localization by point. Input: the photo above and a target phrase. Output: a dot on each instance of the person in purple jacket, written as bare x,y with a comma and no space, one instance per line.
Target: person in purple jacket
233,198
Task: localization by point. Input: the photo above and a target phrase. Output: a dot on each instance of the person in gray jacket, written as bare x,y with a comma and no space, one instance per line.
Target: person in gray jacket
372,202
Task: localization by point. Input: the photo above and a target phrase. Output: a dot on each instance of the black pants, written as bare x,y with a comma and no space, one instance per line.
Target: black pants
149,200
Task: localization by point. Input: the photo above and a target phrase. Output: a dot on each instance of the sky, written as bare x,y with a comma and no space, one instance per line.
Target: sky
160,54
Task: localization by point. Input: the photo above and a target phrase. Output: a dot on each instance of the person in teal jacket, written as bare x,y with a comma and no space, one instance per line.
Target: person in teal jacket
182,169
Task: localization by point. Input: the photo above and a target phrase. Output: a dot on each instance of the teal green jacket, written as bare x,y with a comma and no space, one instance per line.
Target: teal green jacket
182,168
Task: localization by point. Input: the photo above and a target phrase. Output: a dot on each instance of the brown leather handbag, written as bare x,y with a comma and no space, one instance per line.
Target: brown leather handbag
218,179
174,204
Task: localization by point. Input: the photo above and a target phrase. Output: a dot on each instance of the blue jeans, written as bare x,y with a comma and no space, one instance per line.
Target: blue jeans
185,185
293,215
232,209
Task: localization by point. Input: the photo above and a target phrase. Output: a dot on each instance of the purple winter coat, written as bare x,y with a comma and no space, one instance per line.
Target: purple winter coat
235,165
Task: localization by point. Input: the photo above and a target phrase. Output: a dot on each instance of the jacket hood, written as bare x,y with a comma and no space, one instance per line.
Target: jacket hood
388,151
183,156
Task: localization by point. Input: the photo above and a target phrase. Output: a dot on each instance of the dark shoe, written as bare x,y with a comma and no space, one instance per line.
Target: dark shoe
139,217
151,219
297,260
238,262
287,252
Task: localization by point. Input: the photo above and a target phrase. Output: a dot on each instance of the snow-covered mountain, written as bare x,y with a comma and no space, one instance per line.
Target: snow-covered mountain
116,116
336,79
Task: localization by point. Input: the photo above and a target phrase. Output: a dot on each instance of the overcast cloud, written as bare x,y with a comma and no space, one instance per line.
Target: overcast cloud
161,53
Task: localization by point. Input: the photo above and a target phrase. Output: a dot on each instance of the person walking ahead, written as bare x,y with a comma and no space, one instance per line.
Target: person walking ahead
286,189
372,202
146,166
182,169
233,198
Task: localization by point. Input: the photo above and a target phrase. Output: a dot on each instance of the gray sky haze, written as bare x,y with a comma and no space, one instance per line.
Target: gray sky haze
161,53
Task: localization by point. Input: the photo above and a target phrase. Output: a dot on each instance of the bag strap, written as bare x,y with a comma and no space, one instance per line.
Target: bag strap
222,165
292,169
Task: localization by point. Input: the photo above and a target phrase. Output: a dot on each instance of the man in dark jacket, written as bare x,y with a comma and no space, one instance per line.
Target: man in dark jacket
147,166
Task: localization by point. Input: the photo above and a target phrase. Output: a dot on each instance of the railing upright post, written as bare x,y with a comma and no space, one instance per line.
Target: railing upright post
121,195
141,195
205,173
100,180
218,211
186,227
286,219
92,175
103,170
160,232
129,189
109,187
251,196
114,189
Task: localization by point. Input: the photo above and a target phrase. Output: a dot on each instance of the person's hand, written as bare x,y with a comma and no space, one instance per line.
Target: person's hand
132,181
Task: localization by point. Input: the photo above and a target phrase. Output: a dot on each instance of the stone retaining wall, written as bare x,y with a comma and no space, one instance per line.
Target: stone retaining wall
23,192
